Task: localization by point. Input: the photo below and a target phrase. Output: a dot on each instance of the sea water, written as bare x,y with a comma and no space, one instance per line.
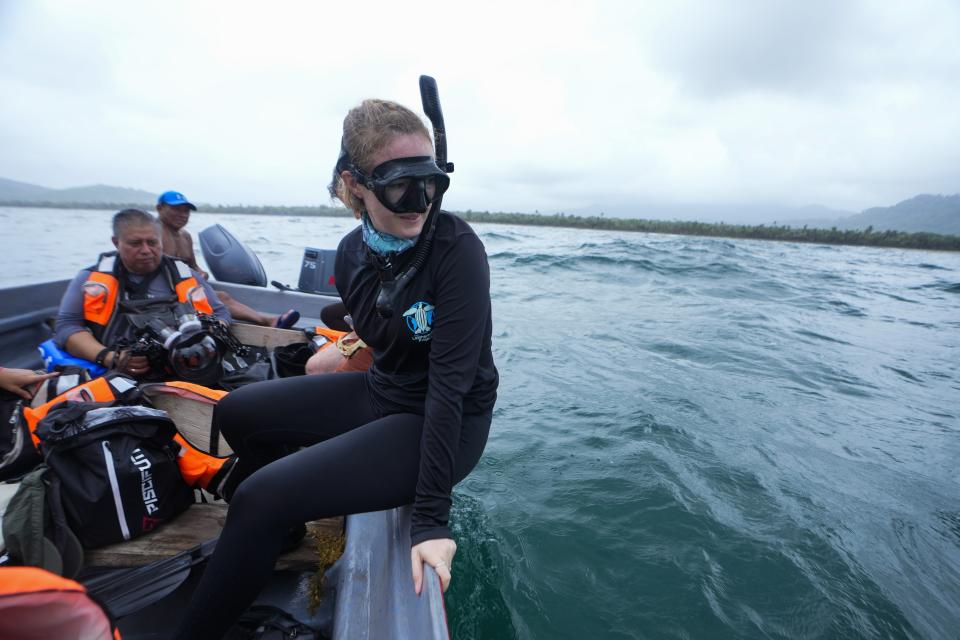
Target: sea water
694,437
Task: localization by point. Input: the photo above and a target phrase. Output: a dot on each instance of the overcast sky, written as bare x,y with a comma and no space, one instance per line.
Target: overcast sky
550,106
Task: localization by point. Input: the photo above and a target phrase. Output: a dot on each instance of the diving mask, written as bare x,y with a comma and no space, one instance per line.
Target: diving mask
405,185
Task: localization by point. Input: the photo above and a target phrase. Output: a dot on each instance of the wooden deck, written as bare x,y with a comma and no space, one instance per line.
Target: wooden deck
198,524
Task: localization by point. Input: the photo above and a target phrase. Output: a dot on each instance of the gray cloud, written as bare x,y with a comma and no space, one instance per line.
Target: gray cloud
846,104
799,48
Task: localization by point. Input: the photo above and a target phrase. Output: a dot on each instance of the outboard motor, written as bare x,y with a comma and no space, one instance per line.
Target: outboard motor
229,259
316,271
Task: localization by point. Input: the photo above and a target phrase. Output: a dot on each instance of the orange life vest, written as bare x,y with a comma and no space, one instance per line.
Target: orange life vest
35,603
101,291
96,390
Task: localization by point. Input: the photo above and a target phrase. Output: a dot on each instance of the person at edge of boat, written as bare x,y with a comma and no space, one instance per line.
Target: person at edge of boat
89,323
407,430
18,381
349,348
174,209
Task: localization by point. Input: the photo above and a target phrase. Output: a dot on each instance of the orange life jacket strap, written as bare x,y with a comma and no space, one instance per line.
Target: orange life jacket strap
100,297
189,290
330,334
206,392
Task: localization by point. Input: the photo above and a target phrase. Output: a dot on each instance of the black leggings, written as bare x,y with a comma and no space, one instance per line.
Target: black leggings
355,461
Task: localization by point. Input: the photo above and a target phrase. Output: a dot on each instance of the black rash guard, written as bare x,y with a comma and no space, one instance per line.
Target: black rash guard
432,357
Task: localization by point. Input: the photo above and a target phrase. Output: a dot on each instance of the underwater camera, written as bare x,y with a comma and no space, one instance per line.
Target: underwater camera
178,342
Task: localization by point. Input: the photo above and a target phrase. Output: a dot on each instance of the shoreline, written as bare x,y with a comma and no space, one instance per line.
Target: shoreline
782,233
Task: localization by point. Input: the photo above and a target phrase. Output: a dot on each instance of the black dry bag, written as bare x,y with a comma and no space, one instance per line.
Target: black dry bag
117,467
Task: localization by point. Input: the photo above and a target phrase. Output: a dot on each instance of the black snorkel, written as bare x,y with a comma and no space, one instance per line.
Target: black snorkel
390,286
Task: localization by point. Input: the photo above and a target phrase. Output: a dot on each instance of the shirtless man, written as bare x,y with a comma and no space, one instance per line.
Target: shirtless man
174,210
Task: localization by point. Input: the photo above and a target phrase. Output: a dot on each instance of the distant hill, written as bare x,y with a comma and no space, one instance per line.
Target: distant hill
934,214
106,193
922,213
13,191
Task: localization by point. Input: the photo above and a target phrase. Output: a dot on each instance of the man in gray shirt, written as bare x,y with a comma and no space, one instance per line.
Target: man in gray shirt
90,323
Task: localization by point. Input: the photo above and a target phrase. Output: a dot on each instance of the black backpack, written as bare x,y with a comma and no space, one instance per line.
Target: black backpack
17,453
117,467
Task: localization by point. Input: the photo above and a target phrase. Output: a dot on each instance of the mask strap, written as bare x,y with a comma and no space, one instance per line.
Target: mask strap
343,163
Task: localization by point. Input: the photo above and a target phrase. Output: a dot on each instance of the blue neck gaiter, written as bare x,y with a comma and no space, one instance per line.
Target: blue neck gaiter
383,243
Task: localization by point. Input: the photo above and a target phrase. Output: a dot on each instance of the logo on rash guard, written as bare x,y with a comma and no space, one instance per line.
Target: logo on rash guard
419,319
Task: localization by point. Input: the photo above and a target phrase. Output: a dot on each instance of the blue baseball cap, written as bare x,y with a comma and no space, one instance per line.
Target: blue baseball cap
173,198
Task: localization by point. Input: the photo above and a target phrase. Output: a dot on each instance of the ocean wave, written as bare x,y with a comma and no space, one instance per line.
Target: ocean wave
694,422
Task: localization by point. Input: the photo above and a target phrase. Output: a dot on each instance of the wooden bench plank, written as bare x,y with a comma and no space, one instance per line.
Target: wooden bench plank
267,337
198,524
193,419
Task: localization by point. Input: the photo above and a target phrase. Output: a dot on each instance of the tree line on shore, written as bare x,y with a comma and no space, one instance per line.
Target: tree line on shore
784,233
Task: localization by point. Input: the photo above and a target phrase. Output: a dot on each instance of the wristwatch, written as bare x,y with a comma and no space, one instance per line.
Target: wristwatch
102,356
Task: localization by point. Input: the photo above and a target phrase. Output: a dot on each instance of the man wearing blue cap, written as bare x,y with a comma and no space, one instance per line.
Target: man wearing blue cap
174,209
